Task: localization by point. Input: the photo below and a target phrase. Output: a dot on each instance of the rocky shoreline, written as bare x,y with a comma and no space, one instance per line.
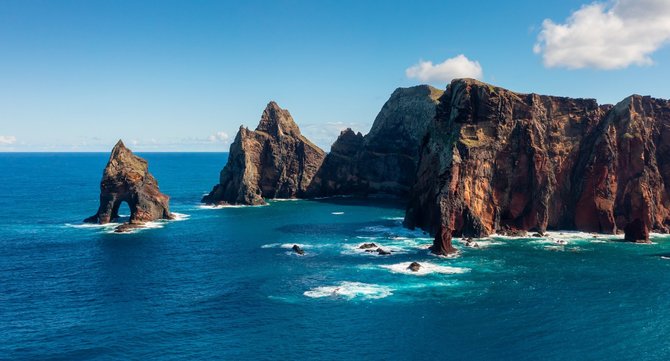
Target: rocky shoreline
471,161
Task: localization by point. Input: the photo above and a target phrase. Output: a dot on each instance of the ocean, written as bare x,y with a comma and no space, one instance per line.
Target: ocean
223,283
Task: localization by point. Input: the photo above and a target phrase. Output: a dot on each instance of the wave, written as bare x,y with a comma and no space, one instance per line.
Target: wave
425,269
350,291
480,243
337,213
221,206
355,249
284,199
92,225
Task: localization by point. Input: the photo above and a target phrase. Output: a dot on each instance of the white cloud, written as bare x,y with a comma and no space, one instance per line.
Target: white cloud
219,137
7,139
606,35
457,67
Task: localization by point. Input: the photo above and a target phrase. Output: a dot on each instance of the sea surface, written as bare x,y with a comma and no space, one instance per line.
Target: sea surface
222,283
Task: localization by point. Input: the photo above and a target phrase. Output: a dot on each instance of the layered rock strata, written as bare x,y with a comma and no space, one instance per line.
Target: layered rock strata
499,161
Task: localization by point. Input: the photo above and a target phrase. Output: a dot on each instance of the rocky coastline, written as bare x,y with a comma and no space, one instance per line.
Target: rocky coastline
472,161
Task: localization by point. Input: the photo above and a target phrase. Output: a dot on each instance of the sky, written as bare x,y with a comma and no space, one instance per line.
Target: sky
184,75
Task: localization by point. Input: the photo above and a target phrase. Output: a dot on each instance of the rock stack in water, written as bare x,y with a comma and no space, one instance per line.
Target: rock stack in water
273,161
497,160
126,178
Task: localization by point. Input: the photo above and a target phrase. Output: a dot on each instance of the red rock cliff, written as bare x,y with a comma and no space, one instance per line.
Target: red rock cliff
494,160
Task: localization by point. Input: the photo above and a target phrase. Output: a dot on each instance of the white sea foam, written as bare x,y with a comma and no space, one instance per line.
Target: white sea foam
337,213
480,243
425,269
92,225
180,216
355,249
222,206
350,290
284,199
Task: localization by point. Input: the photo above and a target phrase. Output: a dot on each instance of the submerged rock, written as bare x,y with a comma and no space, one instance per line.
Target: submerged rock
126,178
414,267
497,160
273,161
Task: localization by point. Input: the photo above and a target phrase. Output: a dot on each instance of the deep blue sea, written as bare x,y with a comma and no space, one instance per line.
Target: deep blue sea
223,283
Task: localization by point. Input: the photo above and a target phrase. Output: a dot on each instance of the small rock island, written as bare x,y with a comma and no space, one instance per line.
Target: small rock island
273,161
126,178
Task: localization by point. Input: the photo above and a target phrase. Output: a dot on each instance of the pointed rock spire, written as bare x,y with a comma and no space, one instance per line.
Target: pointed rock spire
277,121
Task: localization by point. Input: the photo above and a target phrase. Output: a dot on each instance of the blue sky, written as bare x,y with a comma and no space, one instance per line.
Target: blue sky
184,75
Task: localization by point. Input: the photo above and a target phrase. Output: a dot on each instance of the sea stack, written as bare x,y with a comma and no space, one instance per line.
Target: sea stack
384,161
495,160
126,178
273,161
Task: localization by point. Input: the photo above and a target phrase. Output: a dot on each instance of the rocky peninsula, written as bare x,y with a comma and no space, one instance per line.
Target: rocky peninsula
476,160
499,161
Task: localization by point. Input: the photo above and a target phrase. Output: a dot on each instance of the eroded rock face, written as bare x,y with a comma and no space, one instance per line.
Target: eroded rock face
126,178
384,161
496,160
273,161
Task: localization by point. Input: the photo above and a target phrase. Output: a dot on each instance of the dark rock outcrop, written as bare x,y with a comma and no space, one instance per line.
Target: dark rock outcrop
384,161
273,161
367,246
298,250
498,161
126,178
414,267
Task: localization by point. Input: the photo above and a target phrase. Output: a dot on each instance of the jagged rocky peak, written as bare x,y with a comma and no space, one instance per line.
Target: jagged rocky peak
499,161
126,178
273,161
385,160
277,121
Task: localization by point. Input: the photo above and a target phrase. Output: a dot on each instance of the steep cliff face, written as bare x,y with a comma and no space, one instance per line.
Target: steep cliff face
273,161
495,160
384,161
126,178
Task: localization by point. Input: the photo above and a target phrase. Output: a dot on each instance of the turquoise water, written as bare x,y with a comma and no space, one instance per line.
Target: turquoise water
222,283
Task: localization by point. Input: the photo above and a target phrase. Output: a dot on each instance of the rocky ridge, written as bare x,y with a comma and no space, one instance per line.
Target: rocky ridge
383,161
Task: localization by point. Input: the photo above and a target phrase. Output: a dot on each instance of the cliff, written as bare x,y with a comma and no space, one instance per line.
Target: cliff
126,178
384,161
499,161
273,161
